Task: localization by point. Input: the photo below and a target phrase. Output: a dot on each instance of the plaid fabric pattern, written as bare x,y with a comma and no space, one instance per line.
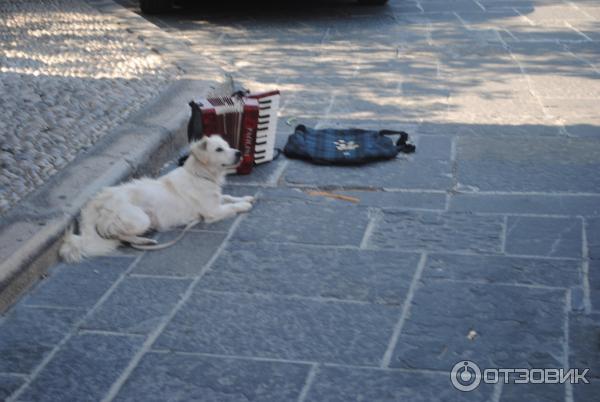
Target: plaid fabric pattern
345,147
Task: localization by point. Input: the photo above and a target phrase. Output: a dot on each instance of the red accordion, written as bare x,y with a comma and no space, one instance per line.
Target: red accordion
248,123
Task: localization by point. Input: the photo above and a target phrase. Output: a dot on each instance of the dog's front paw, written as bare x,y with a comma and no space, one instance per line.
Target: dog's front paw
243,206
249,198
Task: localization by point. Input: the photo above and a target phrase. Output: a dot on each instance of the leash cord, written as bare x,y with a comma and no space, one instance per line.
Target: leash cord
151,247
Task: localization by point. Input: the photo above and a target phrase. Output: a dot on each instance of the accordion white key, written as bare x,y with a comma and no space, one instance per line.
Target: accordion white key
268,106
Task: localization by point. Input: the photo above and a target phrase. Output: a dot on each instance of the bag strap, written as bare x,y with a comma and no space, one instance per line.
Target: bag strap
392,132
402,145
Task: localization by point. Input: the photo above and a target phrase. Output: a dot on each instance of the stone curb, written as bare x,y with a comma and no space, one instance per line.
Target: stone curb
30,233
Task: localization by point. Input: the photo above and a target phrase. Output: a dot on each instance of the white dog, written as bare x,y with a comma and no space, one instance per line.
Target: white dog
123,213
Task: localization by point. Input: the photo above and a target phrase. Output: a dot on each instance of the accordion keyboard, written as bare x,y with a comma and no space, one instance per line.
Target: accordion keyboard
268,104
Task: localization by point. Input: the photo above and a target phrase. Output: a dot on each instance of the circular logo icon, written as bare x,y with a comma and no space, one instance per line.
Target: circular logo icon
465,376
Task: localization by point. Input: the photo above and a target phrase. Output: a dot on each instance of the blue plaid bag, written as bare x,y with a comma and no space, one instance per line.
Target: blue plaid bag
345,147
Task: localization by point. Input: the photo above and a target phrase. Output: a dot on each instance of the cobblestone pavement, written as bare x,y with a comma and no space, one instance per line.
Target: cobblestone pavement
484,245
68,74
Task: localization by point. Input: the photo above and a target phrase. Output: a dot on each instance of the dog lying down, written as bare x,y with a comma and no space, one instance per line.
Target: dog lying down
124,213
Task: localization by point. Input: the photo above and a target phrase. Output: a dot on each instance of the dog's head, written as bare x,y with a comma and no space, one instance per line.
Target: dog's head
214,151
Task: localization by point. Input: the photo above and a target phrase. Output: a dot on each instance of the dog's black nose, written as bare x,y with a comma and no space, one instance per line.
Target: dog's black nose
238,154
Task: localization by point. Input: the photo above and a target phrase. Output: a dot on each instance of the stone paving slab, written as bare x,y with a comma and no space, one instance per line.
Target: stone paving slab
185,259
84,369
402,173
547,204
533,392
78,286
27,335
549,237
526,6
578,115
360,275
301,222
449,7
528,164
536,57
594,284
350,112
9,384
137,305
575,128
279,327
176,377
592,229
586,51
534,127
442,314
432,231
548,87
552,31
342,384
435,200
504,270
584,354
586,392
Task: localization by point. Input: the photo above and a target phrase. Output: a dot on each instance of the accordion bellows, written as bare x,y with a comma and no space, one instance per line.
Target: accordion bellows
248,123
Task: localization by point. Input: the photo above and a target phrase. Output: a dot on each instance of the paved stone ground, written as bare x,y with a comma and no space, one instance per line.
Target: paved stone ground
68,75
492,229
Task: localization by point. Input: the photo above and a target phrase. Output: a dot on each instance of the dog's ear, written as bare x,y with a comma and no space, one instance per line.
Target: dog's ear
194,128
198,149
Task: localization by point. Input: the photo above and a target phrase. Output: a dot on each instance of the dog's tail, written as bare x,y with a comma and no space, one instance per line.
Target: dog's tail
89,243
